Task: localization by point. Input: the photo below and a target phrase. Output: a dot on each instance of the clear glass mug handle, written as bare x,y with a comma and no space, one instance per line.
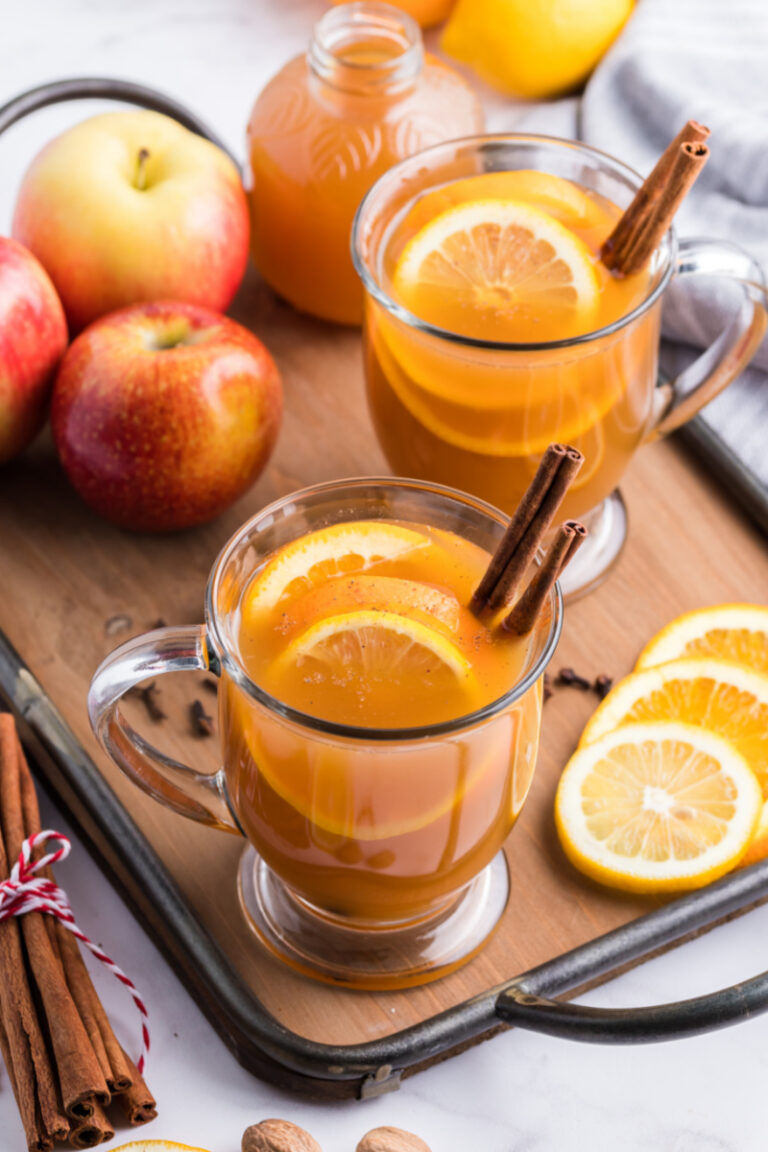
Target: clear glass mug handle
199,795
680,399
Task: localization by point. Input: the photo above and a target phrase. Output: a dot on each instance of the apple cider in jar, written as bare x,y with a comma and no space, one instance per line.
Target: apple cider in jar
324,129
364,625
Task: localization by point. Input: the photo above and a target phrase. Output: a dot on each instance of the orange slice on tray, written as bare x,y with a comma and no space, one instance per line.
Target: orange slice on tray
498,269
657,807
725,631
718,695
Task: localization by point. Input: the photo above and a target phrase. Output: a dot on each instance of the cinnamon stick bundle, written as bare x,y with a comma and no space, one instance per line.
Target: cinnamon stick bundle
640,229
80,1078
63,1059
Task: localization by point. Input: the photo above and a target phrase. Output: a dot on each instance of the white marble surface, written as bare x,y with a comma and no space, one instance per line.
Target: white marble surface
519,1092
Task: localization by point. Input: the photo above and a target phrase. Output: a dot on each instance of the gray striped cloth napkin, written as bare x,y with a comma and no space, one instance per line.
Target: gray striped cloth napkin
705,60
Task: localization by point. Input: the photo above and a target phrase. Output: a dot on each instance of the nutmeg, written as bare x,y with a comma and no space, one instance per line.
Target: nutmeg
391,1140
278,1136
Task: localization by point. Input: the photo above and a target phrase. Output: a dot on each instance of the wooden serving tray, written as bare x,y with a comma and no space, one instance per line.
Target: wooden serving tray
65,574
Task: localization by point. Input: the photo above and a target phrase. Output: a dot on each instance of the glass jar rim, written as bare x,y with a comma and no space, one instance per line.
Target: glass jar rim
391,177
375,18
240,676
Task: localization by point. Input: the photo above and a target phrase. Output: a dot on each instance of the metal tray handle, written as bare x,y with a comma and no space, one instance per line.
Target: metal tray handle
104,88
672,1021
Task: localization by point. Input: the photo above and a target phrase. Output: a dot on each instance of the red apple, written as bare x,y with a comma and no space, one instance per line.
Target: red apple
33,336
130,206
163,414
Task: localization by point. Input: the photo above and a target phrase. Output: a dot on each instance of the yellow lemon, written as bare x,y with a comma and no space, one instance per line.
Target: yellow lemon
533,49
657,807
725,631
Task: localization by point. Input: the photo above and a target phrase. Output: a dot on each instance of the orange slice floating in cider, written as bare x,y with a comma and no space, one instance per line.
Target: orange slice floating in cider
499,270
314,558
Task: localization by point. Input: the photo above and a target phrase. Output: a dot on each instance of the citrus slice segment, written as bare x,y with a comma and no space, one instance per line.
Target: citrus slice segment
379,593
657,807
499,270
468,422
368,645
156,1146
717,695
758,845
562,199
725,631
347,547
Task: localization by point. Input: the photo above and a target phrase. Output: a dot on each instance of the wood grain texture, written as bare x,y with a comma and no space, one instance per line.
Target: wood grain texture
64,574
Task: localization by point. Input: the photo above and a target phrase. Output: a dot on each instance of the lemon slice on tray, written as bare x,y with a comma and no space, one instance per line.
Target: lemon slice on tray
657,807
718,695
499,270
347,547
725,631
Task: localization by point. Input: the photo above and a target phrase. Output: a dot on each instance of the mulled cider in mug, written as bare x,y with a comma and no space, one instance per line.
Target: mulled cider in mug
378,737
493,328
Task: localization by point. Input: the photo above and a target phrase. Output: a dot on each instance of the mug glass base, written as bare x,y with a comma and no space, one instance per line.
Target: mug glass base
364,956
607,526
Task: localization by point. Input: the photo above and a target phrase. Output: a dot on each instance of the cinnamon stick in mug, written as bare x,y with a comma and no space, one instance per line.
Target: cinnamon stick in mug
524,614
527,528
641,227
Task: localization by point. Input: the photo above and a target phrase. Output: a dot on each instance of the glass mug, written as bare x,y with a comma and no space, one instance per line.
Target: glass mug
414,893
478,413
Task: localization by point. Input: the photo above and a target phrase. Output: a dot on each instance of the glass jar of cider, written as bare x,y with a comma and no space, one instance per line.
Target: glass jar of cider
324,129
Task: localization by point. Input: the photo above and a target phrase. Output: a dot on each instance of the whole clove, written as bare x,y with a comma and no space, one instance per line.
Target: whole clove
211,685
570,679
116,624
202,723
148,694
602,686
547,687
159,623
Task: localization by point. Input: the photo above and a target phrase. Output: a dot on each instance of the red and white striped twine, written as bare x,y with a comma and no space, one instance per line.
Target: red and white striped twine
24,892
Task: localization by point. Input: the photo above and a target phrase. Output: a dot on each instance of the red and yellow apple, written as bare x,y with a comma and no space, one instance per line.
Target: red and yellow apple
33,336
130,207
163,414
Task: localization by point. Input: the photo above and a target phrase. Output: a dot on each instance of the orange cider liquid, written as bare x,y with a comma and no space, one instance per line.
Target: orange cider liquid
480,417
378,830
